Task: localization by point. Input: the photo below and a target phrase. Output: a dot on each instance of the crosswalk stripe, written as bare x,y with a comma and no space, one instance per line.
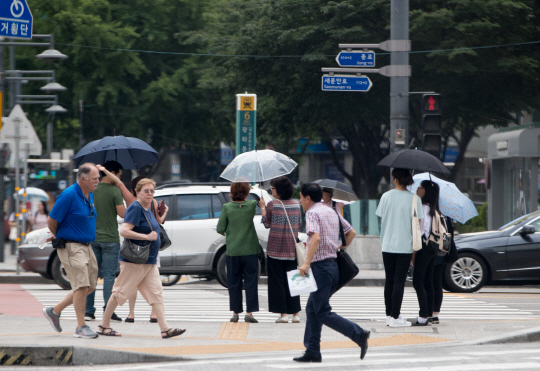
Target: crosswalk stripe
360,304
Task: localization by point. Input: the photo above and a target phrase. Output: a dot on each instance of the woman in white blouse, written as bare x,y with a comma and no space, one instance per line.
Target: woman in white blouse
40,217
428,191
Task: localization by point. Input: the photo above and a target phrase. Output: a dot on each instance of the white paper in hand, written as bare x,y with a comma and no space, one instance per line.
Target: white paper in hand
299,285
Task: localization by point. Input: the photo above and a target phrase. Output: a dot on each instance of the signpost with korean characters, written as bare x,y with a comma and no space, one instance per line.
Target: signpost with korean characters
15,19
346,83
246,123
356,58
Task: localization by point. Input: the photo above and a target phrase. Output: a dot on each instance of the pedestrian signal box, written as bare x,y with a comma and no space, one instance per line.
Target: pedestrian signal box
399,137
432,124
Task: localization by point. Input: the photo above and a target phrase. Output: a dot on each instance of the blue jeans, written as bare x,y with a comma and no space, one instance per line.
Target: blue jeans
319,312
107,259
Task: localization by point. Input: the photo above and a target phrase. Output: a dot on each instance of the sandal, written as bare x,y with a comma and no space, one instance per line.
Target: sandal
110,333
153,320
175,332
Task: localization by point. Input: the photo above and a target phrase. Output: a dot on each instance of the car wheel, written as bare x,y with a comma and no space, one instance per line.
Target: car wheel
59,274
221,270
467,274
170,279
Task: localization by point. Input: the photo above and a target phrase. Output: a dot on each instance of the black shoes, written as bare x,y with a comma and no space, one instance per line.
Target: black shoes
307,358
434,320
115,318
364,343
89,317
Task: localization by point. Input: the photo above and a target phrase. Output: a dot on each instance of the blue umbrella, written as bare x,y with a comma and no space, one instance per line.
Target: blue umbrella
452,202
131,153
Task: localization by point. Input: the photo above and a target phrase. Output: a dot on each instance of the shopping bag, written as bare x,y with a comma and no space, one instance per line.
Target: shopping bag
299,285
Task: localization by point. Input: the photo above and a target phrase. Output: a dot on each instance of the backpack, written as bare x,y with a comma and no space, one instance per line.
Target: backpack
440,239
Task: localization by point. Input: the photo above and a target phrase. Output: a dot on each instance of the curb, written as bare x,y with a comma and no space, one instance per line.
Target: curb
521,336
23,278
74,356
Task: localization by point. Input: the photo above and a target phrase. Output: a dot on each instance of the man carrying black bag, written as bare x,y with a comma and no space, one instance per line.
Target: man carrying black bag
322,228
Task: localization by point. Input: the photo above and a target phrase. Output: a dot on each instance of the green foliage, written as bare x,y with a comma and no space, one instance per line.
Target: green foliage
476,224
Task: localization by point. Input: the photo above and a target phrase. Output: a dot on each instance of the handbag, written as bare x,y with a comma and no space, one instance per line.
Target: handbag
299,246
347,268
416,232
299,285
137,254
163,236
13,233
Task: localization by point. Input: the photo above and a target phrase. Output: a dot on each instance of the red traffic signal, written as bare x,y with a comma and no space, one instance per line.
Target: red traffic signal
431,103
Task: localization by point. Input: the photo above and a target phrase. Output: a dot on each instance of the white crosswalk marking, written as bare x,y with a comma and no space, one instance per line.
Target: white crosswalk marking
199,303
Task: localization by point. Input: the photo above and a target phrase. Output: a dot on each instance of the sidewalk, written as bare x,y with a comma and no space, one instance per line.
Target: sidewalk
27,337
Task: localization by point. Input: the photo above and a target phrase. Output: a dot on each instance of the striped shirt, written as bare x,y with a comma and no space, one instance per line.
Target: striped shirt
325,221
281,244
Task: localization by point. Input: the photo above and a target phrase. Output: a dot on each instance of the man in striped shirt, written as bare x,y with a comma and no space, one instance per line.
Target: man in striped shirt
322,227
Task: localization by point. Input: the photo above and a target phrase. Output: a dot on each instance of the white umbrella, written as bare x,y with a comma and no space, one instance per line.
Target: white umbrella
35,192
258,166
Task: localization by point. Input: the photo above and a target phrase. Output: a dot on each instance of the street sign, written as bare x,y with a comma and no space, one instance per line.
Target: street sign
246,122
15,19
27,134
356,59
346,83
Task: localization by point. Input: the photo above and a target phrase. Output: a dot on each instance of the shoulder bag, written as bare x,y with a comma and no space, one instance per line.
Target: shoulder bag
137,254
299,246
416,232
163,236
346,266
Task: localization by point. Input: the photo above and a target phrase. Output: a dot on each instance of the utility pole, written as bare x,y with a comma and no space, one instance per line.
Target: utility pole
399,85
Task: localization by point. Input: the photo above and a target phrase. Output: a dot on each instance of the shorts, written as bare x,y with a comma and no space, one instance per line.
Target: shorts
144,277
80,264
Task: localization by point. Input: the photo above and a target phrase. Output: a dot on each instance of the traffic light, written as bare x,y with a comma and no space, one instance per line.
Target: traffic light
432,124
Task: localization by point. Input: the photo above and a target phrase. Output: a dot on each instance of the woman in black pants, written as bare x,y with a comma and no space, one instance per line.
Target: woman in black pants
424,259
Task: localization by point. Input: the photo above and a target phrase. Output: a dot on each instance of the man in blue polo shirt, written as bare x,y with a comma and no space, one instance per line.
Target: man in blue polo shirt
72,222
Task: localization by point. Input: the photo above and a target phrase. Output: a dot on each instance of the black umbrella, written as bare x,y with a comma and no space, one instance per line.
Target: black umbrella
341,190
415,160
131,153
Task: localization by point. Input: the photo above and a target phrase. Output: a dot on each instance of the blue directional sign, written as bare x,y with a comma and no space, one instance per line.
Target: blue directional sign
356,59
346,83
15,19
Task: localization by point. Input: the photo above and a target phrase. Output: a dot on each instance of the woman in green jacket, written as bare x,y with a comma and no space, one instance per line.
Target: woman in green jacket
236,224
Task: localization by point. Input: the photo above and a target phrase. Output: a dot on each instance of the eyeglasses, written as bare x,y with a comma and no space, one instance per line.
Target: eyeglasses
148,191
90,208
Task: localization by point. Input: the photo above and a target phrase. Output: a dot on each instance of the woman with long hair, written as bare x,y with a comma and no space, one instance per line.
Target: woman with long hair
424,259
284,218
236,224
395,210
39,220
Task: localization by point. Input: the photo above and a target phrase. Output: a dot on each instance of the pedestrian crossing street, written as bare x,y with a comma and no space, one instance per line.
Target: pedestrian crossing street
420,360
210,303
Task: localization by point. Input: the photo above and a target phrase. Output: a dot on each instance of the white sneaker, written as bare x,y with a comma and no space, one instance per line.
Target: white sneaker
284,319
388,318
296,319
400,322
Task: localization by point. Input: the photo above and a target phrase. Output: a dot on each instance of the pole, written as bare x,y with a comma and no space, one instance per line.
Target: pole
3,172
16,198
11,83
81,139
399,85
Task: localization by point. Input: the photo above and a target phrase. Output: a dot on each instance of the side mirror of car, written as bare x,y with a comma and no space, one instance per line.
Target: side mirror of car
528,229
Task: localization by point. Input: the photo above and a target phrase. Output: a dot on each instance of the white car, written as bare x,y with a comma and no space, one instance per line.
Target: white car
197,249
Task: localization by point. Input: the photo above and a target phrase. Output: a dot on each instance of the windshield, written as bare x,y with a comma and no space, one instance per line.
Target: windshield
515,222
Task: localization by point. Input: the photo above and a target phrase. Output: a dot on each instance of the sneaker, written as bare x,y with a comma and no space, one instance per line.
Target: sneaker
388,318
53,318
435,320
283,319
296,319
400,322
416,322
85,332
89,317
115,318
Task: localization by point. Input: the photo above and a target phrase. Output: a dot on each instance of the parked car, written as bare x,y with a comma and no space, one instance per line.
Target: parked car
197,249
508,255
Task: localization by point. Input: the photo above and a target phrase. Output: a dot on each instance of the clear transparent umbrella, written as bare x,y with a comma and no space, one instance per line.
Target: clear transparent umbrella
258,166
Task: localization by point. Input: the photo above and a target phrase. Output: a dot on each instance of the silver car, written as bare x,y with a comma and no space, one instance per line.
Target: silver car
196,250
